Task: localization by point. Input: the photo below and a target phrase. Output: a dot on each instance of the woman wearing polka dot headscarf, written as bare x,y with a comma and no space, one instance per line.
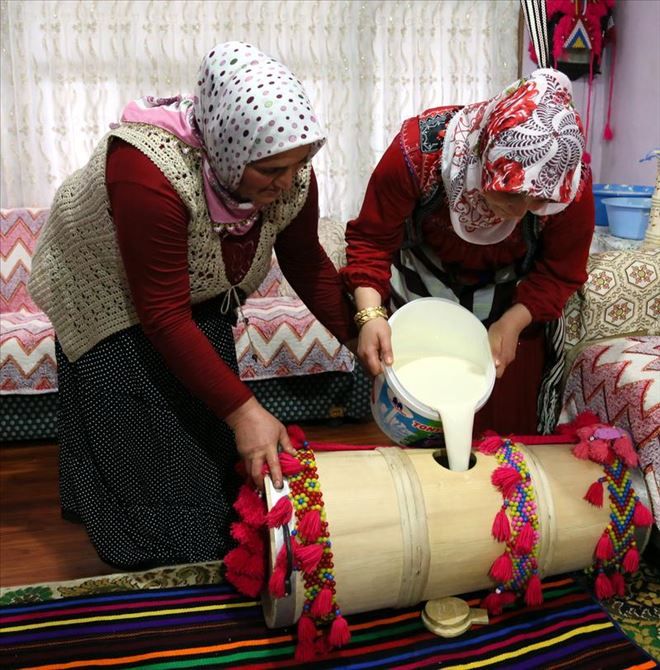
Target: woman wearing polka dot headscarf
147,253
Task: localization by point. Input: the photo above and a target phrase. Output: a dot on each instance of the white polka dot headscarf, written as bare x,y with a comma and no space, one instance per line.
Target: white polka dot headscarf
247,107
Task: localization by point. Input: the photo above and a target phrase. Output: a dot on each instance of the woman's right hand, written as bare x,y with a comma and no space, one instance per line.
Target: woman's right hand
258,434
375,345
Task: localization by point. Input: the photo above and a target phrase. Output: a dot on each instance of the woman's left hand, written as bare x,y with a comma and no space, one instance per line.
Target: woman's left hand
503,336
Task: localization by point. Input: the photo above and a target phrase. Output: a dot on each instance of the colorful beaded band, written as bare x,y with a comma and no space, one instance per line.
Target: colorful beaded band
516,524
616,551
308,550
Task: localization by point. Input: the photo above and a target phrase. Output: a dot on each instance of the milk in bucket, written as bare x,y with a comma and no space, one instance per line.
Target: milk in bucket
443,372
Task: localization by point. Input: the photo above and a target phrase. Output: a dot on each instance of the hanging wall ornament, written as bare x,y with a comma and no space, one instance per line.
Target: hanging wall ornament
577,33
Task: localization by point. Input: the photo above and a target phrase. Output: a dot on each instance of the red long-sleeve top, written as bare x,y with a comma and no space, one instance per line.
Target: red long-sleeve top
378,233
152,233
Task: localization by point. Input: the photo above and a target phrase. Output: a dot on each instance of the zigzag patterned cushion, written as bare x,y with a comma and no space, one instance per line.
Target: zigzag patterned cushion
619,380
19,230
27,344
27,363
287,341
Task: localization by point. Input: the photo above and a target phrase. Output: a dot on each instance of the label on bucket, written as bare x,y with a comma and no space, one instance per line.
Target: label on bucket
398,421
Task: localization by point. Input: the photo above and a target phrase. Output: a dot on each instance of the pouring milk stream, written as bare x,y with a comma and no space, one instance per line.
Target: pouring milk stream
442,374
452,387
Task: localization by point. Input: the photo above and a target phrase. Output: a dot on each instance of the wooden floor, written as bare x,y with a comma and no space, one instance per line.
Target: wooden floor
37,545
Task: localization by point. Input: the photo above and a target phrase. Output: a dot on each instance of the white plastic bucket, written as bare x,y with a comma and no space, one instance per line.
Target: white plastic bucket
421,328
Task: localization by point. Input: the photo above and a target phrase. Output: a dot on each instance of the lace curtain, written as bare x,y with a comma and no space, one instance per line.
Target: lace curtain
69,67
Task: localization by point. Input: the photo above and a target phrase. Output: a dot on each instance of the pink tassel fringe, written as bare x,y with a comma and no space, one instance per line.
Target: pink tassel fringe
594,494
525,540
581,450
249,586
339,635
631,560
605,548
247,536
307,556
309,527
604,587
250,507
642,515
506,478
599,451
490,444
290,465
322,605
502,568
534,592
618,584
296,435
280,514
501,528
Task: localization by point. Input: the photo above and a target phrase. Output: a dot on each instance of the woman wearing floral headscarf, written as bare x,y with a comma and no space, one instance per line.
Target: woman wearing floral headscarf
148,251
488,205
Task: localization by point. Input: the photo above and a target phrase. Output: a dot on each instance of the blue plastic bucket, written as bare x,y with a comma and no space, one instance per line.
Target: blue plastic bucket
628,217
602,191
426,327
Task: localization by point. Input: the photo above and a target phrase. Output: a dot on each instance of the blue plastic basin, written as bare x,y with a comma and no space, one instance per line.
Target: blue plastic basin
628,217
602,191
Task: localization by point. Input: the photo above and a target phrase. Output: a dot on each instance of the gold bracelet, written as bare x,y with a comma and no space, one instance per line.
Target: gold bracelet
369,313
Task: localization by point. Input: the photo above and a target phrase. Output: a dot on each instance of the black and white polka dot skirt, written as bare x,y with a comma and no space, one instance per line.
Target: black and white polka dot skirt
147,467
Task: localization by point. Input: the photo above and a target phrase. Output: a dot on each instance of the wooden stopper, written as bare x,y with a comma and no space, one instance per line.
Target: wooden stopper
451,617
447,617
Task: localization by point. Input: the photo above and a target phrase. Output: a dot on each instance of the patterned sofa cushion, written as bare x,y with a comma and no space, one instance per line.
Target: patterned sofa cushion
619,380
27,361
621,297
27,344
284,339
289,341
19,230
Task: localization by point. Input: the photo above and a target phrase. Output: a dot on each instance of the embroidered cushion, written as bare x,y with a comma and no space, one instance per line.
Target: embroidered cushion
290,341
621,297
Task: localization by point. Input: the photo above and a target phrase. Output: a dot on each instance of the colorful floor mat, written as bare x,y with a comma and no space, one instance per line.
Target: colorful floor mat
141,621
639,613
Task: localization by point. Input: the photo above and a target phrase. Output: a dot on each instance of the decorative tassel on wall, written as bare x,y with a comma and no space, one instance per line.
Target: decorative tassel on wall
578,32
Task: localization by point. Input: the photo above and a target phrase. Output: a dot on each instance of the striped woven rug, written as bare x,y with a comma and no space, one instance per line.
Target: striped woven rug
211,626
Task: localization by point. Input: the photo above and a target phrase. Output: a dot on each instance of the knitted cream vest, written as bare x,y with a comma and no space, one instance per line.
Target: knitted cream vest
77,276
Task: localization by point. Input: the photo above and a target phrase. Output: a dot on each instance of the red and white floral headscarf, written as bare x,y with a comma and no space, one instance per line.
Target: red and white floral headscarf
526,140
